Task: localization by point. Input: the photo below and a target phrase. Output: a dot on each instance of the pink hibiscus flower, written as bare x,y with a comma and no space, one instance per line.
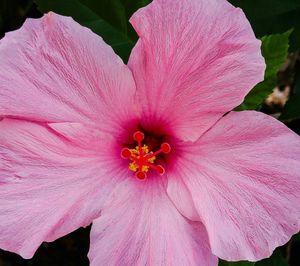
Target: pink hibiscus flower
147,152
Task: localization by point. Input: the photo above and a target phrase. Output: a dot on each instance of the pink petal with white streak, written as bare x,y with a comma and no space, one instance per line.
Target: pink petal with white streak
54,70
140,226
195,61
244,179
50,183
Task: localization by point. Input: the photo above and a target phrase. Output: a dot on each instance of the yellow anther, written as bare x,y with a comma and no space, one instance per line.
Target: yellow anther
152,159
145,148
133,167
134,151
145,168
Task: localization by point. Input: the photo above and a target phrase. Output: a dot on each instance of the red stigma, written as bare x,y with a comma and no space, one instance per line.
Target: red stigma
142,160
138,136
160,169
140,175
125,153
165,147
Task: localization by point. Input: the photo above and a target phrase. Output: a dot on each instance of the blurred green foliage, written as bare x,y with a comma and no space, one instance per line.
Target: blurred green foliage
275,51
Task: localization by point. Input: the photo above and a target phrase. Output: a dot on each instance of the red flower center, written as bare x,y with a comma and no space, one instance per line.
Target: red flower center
142,159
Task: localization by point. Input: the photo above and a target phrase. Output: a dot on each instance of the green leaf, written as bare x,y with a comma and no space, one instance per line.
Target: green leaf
112,11
88,14
131,6
275,260
238,263
275,51
273,16
291,110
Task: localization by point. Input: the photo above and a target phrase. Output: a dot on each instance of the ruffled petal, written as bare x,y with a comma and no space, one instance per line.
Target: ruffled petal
244,179
51,183
140,226
195,61
54,70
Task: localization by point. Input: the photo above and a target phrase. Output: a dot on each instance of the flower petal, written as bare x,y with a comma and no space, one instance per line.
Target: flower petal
50,184
140,226
244,179
54,70
195,60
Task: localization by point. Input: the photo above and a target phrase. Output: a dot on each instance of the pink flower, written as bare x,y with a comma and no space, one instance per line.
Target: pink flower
221,184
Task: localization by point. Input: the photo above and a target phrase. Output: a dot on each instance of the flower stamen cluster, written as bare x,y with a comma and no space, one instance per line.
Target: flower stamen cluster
143,159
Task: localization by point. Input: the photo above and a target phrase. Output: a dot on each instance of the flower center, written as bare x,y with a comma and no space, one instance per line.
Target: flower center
142,159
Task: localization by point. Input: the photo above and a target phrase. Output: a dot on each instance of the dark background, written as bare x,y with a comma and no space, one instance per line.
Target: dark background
267,17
